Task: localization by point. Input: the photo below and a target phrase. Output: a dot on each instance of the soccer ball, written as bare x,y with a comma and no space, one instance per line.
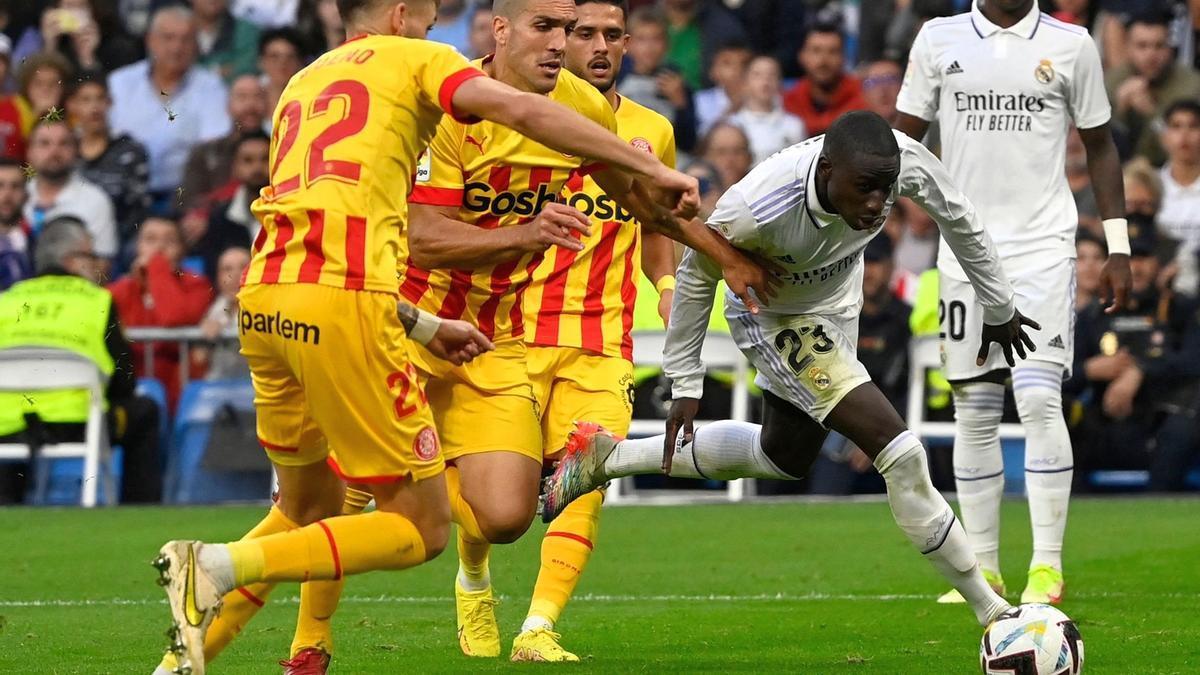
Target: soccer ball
1031,640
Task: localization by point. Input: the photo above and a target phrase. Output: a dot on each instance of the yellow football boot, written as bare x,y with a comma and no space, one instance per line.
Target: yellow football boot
540,644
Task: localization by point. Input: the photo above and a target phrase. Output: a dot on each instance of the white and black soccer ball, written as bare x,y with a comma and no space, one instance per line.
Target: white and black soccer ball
1031,640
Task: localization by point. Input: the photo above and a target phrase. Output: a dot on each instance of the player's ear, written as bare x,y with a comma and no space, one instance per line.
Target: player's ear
824,167
399,18
500,29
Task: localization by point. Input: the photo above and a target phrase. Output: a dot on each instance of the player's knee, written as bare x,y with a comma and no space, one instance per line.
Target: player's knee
435,536
505,524
1039,404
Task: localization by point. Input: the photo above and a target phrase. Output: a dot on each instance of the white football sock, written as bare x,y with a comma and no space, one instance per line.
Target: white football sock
722,450
930,525
1048,459
979,466
216,560
533,621
474,582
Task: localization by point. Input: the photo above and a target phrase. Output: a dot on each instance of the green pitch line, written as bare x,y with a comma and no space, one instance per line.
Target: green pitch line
809,588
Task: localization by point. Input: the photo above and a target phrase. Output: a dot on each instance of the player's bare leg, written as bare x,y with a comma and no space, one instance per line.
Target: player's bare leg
306,495
493,497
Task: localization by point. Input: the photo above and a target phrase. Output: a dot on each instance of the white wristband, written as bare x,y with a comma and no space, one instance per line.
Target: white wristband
425,328
1116,233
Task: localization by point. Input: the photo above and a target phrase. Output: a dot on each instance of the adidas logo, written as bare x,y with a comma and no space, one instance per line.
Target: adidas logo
953,68
1057,342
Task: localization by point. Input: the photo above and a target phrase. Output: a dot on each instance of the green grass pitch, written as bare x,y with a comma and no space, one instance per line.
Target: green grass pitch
769,587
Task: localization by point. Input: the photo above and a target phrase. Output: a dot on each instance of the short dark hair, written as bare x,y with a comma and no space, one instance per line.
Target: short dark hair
858,133
648,14
251,135
1085,237
734,45
1187,105
44,122
86,78
623,4
1150,17
289,35
824,28
7,162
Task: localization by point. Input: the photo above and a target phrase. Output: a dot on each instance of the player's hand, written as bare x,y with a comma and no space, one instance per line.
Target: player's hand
1120,393
677,191
664,306
1115,283
1010,335
556,225
458,342
750,271
683,412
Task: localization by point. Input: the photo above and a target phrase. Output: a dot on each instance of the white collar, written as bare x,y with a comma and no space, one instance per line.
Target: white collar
1025,28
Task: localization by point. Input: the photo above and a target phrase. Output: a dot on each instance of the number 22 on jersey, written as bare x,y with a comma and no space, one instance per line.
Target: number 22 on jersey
354,101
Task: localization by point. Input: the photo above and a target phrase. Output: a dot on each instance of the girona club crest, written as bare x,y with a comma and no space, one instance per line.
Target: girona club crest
426,446
642,144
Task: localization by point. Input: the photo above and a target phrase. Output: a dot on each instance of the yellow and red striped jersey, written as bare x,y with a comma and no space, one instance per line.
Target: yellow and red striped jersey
348,131
585,299
496,178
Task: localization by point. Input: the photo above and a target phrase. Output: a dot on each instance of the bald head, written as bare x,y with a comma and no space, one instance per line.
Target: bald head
508,9
410,18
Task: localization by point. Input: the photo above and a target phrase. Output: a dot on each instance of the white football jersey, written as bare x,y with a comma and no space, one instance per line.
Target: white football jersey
1004,98
775,211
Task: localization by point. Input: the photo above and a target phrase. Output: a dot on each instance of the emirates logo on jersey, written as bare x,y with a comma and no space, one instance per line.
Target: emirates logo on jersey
642,144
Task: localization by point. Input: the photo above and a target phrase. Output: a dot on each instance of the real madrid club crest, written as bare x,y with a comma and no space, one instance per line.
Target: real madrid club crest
1044,73
819,378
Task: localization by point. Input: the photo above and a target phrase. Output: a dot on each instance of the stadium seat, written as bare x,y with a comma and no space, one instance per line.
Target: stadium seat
187,481
45,369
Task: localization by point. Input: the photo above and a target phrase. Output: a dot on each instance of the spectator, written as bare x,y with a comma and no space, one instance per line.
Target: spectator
267,14
915,235
167,103
118,165
1143,367
1142,89
1090,256
228,45
727,149
1079,179
481,41
1179,215
88,34
453,25
881,86
695,29
41,82
223,360
157,293
769,127
230,223
774,27
321,25
727,74
58,189
84,320
652,83
279,58
209,163
710,185
1143,188
16,118
14,229
826,91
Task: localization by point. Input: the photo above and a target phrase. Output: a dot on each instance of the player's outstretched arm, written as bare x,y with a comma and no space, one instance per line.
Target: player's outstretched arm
696,286
565,130
741,271
455,341
658,264
437,239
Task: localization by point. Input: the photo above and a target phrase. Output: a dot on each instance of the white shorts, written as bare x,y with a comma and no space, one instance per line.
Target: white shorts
1046,296
810,360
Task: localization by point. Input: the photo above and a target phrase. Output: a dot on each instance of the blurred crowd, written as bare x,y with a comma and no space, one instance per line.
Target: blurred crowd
149,121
